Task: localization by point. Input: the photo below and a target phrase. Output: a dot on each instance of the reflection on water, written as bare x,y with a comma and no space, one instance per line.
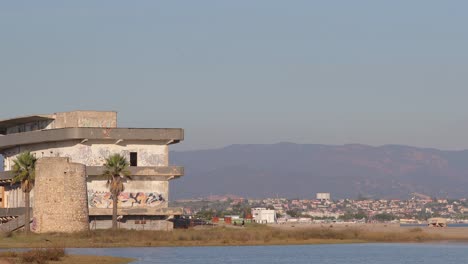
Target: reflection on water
327,254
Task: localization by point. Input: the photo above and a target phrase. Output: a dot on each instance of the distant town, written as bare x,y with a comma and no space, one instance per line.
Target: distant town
323,209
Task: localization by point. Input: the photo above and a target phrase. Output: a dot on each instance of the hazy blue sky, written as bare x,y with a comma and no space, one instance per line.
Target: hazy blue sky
331,72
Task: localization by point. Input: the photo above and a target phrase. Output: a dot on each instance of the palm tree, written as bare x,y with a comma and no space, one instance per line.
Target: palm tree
24,173
116,173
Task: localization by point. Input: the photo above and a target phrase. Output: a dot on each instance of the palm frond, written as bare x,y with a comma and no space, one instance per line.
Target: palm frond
116,172
24,170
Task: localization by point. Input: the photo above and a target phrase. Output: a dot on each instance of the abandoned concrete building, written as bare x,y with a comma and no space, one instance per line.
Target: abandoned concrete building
88,138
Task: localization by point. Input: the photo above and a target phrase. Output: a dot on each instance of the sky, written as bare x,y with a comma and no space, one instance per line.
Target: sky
246,72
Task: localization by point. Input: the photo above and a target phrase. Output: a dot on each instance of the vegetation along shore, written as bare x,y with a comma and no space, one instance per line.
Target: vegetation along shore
57,256
249,235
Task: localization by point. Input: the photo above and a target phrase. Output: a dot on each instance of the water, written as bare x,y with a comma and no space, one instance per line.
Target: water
323,254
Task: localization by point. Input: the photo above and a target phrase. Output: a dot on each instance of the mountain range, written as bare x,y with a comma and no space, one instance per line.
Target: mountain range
301,170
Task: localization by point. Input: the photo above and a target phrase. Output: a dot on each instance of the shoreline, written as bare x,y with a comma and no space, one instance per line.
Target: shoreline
76,259
255,235
58,256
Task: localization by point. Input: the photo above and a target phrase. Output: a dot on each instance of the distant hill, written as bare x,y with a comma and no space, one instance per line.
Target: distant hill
301,170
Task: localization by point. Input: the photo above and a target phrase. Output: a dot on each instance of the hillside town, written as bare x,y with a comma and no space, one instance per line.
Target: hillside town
324,209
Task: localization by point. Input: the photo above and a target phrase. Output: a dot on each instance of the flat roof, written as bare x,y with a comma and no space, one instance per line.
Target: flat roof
172,135
5,123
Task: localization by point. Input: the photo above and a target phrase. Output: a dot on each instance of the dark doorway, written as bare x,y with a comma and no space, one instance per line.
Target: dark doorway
133,159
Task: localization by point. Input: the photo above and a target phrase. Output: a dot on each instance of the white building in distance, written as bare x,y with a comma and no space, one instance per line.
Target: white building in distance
263,215
323,196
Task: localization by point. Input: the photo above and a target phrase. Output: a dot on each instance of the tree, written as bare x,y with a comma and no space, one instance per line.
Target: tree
24,173
353,216
346,217
116,173
247,211
293,213
384,217
206,214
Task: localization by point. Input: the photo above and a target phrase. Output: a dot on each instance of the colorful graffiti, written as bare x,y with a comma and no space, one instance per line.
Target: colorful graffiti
125,199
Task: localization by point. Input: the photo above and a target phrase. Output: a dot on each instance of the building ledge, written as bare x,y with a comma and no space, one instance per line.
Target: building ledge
168,171
168,211
137,211
155,171
4,124
166,135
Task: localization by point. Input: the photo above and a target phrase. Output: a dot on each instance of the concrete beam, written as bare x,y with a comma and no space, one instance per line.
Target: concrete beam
175,171
173,135
13,211
137,211
164,172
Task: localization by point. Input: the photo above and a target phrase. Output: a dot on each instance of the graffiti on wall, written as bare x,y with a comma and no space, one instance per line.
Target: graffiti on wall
140,199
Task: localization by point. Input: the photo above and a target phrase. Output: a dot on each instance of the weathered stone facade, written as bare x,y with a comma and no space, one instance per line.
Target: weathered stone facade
61,196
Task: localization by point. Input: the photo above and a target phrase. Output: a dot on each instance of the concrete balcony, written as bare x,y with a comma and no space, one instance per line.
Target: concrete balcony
164,172
168,211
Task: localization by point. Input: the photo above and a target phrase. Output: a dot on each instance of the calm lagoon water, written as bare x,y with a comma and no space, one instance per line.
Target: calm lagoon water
326,254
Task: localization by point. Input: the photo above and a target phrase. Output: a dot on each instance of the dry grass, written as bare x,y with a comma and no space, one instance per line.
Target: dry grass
250,235
56,256
9,254
42,256
38,256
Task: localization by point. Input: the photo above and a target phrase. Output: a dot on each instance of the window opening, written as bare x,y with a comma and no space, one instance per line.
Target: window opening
133,159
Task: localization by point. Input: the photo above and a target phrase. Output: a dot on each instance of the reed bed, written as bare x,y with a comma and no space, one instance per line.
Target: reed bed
36,256
250,235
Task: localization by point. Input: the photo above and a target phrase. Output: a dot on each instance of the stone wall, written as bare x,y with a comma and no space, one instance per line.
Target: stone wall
104,119
60,196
